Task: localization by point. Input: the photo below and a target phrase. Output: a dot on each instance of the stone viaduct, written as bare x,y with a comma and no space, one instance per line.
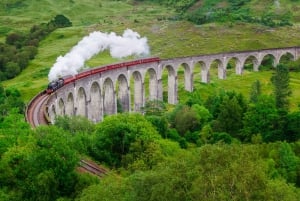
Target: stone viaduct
130,87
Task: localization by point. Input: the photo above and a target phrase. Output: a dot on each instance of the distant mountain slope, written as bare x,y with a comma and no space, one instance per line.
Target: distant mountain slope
168,36
271,13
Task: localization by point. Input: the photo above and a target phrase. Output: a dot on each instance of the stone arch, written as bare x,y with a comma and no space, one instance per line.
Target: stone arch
81,102
220,68
123,94
250,63
95,106
269,59
152,90
138,91
171,84
52,113
70,105
186,76
234,64
201,71
61,108
109,105
286,57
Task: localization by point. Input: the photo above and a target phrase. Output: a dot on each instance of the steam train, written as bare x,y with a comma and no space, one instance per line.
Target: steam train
56,84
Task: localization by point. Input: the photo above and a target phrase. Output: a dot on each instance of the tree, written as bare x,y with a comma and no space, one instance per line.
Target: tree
292,132
110,188
186,120
213,102
160,123
261,118
12,69
61,21
203,114
255,91
286,161
40,166
154,107
282,90
169,181
194,98
15,39
54,175
279,190
117,133
75,124
22,59
230,117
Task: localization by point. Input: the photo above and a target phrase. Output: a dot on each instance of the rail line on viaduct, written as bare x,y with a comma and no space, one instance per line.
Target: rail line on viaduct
99,94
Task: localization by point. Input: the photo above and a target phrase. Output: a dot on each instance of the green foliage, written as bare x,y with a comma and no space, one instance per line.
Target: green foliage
110,188
61,21
204,115
116,135
282,90
292,132
260,118
10,99
222,137
286,162
81,130
228,11
57,162
173,134
186,120
154,170
230,117
194,98
214,101
154,107
12,127
294,65
211,172
255,91
10,4
280,190
160,123
75,124
142,156
19,48
170,181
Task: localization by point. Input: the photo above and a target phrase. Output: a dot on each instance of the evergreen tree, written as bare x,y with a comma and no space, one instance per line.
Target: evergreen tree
255,91
229,119
281,92
282,89
261,118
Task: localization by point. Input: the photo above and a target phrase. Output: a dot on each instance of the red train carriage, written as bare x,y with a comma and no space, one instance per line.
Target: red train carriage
54,85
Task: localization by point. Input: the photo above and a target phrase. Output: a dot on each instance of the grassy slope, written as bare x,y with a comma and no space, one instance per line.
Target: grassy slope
166,38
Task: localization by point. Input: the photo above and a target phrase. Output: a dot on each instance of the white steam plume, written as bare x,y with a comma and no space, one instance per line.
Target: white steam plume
130,43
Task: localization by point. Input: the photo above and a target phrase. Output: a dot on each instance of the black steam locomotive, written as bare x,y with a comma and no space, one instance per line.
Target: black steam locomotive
54,85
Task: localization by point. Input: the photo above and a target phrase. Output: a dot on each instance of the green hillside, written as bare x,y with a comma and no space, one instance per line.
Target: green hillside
167,35
234,139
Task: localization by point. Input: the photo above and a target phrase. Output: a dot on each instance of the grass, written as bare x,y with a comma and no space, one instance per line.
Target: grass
242,84
167,38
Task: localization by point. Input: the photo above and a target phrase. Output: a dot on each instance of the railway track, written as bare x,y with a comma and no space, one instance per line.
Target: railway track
91,167
35,110
35,116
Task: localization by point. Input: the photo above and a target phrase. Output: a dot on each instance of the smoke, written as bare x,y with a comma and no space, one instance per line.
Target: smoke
130,43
